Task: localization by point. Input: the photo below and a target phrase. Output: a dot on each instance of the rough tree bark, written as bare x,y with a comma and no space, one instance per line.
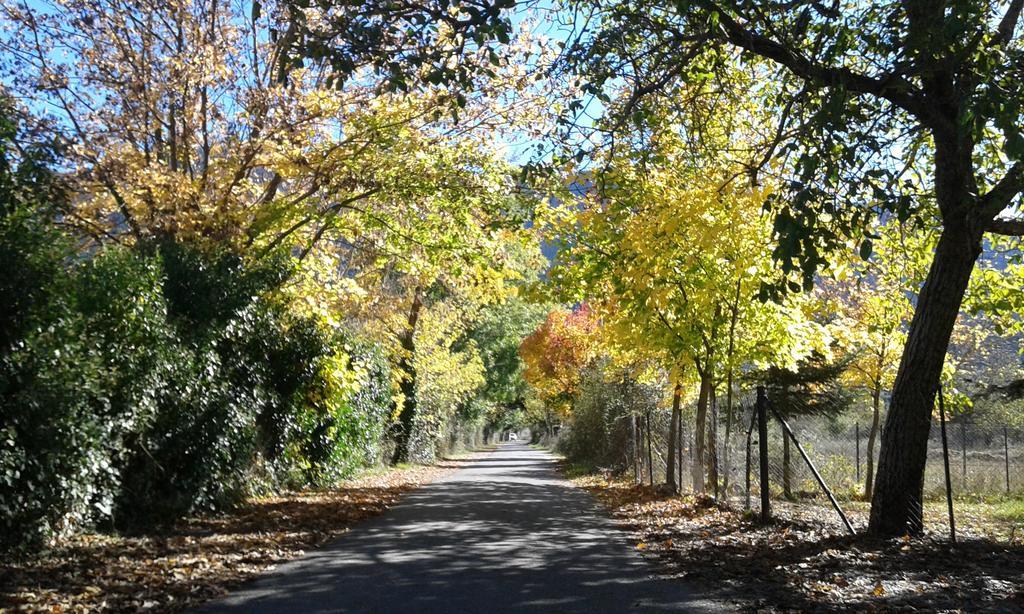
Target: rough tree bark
407,368
673,430
945,99
699,432
730,354
680,449
896,501
713,444
876,415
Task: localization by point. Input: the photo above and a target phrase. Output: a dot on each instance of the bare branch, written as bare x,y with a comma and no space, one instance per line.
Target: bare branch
1007,25
1009,228
1002,193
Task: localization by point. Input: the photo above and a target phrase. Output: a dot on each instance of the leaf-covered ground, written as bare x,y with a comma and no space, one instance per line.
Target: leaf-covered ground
803,562
200,558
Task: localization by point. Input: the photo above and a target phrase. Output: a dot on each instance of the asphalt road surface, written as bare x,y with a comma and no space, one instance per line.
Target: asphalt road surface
504,534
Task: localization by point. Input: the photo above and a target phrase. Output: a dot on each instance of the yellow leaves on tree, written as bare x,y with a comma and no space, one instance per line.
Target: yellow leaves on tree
182,127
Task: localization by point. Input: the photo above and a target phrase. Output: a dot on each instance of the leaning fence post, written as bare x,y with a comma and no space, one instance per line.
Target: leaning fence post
762,449
945,464
788,432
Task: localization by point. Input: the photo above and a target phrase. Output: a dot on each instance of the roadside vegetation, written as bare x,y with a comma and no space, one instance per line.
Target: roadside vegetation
250,251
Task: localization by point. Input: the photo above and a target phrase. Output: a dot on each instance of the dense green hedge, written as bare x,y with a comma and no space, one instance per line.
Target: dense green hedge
142,383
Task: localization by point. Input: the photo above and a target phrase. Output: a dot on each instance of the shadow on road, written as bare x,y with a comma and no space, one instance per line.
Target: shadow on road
505,534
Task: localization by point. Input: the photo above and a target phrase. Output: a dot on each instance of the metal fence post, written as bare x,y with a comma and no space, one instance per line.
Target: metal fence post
1006,458
637,469
650,455
762,446
945,464
963,452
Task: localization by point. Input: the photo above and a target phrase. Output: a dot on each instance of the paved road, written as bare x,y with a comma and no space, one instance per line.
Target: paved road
504,534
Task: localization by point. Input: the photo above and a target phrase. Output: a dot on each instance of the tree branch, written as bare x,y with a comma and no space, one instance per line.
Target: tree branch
891,87
1007,25
1009,228
1002,193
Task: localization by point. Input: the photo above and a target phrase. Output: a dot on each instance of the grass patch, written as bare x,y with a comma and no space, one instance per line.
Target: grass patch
1011,510
575,470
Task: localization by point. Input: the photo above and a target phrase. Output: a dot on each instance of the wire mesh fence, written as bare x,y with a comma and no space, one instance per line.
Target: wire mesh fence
985,459
986,463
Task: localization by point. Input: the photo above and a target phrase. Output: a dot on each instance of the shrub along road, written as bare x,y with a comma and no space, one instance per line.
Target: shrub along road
504,534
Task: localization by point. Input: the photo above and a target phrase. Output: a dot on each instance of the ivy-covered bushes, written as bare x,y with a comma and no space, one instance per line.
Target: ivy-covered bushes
139,383
228,388
348,412
158,381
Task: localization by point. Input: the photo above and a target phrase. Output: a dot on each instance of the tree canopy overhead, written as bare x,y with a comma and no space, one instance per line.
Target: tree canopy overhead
404,44
820,196
881,108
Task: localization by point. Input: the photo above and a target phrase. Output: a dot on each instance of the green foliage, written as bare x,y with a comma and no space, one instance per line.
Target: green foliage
128,401
29,247
148,382
814,387
598,428
43,359
408,46
344,427
857,93
497,336
234,369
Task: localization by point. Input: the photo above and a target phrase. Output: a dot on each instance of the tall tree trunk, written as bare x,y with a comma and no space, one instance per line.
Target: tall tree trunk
637,461
896,501
876,402
681,447
730,353
713,444
673,430
699,432
728,434
407,369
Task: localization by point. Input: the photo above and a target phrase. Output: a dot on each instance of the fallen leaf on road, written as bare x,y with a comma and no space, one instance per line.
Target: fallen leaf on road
199,558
